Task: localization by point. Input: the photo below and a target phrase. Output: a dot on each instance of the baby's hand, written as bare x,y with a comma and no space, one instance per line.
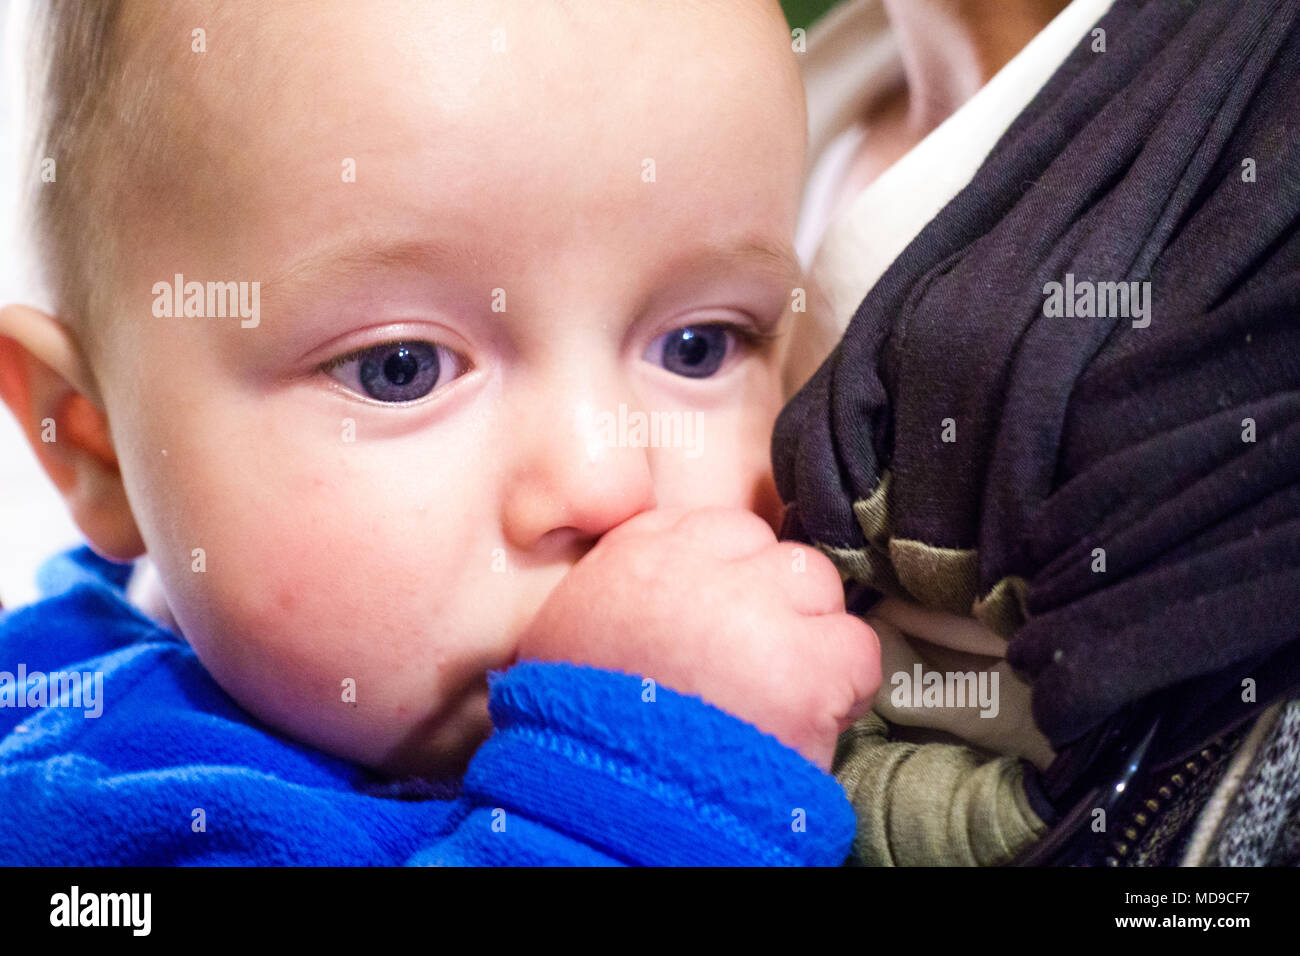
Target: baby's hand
709,603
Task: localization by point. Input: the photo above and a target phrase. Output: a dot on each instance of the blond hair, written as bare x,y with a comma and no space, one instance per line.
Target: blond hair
89,95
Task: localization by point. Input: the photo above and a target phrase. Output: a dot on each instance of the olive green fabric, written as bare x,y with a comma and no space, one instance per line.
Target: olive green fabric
932,804
945,579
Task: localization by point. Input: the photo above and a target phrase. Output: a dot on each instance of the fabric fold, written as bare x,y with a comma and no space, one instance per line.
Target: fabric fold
1122,463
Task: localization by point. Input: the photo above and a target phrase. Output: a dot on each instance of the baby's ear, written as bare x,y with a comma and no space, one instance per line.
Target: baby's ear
47,384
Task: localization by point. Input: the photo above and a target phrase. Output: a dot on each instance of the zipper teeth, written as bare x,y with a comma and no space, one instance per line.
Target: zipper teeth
1159,799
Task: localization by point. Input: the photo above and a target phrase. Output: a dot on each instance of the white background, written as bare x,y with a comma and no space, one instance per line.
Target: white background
33,522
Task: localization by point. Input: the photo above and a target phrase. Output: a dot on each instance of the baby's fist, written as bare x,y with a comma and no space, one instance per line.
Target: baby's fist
709,603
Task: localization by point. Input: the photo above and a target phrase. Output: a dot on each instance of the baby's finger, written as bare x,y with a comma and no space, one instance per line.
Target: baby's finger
861,649
728,534
845,649
654,521
809,580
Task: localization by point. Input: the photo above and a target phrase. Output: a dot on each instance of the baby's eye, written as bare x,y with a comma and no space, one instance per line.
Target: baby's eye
396,371
693,351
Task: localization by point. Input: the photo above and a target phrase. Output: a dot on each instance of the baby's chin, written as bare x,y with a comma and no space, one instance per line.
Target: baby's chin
444,743
438,744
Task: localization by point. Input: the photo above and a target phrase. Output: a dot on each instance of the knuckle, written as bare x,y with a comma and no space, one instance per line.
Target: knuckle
826,580
822,566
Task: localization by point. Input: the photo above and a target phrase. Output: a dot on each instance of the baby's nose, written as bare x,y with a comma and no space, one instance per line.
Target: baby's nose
575,482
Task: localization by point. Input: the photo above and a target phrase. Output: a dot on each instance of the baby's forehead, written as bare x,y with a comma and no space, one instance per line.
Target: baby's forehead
283,91
249,64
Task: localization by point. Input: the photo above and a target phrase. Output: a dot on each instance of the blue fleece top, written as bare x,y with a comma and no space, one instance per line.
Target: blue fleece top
580,769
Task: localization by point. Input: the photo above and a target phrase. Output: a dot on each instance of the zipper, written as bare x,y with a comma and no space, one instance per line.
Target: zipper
1159,799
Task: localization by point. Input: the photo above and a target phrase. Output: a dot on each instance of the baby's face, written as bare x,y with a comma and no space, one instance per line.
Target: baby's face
436,413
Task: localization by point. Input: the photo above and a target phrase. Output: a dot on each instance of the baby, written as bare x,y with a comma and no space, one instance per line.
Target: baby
345,300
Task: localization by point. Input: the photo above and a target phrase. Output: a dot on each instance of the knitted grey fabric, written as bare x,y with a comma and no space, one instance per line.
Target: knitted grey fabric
1262,824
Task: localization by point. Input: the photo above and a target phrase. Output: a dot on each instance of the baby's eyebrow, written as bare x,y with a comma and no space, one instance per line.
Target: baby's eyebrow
779,260
353,257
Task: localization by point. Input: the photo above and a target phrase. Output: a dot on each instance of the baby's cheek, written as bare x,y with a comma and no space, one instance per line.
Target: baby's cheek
314,620
730,467
352,600
347,669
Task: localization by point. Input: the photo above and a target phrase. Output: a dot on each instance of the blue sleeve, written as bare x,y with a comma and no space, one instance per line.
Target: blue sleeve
590,766
581,770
